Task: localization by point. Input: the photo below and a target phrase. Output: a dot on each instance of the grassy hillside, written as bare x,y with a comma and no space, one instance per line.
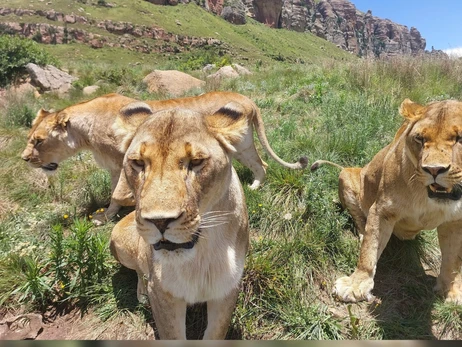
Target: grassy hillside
53,260
247,43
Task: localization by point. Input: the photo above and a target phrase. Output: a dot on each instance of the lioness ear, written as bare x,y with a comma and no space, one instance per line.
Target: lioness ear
135,108
61,120
228,125
40,115
410,110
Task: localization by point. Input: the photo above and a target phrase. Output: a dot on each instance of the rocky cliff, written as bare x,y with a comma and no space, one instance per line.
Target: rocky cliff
337,21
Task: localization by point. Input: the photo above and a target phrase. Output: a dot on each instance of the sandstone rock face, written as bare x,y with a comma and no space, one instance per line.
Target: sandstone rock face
171,82
49,78
337,21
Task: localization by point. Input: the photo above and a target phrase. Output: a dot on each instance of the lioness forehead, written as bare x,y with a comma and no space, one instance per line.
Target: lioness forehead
442,116
168,127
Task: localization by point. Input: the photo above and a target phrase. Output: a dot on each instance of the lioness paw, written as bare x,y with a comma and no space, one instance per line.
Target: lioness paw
454,297
353,289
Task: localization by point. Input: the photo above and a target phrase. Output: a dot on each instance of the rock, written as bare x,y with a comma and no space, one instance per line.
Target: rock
171,82
208,67
89,90
234,12
241,70
22,327
224,72
49,78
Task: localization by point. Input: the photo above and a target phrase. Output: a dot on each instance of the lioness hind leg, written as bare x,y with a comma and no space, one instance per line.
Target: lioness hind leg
449,281
247,155
349,193
219,313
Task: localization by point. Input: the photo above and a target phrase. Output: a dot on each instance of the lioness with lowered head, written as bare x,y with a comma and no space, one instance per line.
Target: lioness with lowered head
188,236
105,126
412,184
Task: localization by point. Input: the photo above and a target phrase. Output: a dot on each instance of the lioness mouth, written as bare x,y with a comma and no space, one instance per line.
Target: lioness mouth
50,167
171,246
435,191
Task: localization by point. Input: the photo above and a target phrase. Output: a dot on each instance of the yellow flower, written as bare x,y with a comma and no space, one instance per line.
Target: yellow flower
90,216
253,211
66,216
101,210
260,205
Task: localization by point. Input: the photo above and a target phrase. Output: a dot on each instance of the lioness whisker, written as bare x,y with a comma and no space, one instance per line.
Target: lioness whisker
212,225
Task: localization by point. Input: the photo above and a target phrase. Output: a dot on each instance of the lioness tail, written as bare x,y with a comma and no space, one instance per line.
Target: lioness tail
260,129
318,163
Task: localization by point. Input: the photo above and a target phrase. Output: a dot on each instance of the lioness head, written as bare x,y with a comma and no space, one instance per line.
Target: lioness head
179,167
47,142
434,145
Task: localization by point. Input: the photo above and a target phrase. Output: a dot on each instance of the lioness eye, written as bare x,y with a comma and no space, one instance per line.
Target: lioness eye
459,139
138,164
195,162
419,139
38,142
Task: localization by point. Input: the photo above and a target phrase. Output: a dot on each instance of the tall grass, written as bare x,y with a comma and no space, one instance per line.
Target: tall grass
300,240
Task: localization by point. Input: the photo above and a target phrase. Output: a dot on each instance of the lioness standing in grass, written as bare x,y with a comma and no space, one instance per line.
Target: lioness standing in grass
188,236
414,183
105,126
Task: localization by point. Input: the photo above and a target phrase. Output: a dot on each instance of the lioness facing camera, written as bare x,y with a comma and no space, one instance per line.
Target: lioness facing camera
412,184
188,235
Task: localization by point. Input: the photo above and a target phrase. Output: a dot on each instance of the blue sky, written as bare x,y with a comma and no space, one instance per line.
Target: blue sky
439,22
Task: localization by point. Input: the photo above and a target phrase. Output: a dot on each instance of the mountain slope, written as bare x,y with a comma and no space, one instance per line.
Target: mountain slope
164,31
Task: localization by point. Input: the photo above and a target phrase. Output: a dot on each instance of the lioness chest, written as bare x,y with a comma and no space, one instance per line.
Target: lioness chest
210,274
426,214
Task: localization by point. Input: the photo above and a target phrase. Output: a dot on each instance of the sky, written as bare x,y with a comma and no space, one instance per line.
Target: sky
439,22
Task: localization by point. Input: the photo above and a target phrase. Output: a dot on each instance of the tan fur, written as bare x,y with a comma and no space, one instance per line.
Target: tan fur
389,195
106,124
179,166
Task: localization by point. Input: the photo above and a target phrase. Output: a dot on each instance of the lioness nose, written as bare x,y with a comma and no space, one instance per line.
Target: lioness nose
436,170
161,224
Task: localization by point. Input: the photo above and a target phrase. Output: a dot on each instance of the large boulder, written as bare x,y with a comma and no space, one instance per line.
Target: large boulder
229,72
234,12
171,82
50,78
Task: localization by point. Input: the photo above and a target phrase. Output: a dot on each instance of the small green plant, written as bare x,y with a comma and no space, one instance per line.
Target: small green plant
20,110
16,53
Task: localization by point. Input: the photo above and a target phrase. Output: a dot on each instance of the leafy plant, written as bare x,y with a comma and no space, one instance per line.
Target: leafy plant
16,53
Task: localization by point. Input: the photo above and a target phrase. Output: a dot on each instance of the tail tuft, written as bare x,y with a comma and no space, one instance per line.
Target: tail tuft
303,161
315,166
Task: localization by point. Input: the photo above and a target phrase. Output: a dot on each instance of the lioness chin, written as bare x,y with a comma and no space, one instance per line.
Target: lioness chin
188,235
414,183
106,125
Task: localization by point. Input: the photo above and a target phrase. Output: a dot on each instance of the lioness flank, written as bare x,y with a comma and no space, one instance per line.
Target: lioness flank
188,235
412,184
105,126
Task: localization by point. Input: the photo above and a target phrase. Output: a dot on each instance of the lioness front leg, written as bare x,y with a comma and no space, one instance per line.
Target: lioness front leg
359,285
219,313
169,313
449,280
100,218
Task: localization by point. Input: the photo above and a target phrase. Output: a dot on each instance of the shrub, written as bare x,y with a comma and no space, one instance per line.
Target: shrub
16,53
